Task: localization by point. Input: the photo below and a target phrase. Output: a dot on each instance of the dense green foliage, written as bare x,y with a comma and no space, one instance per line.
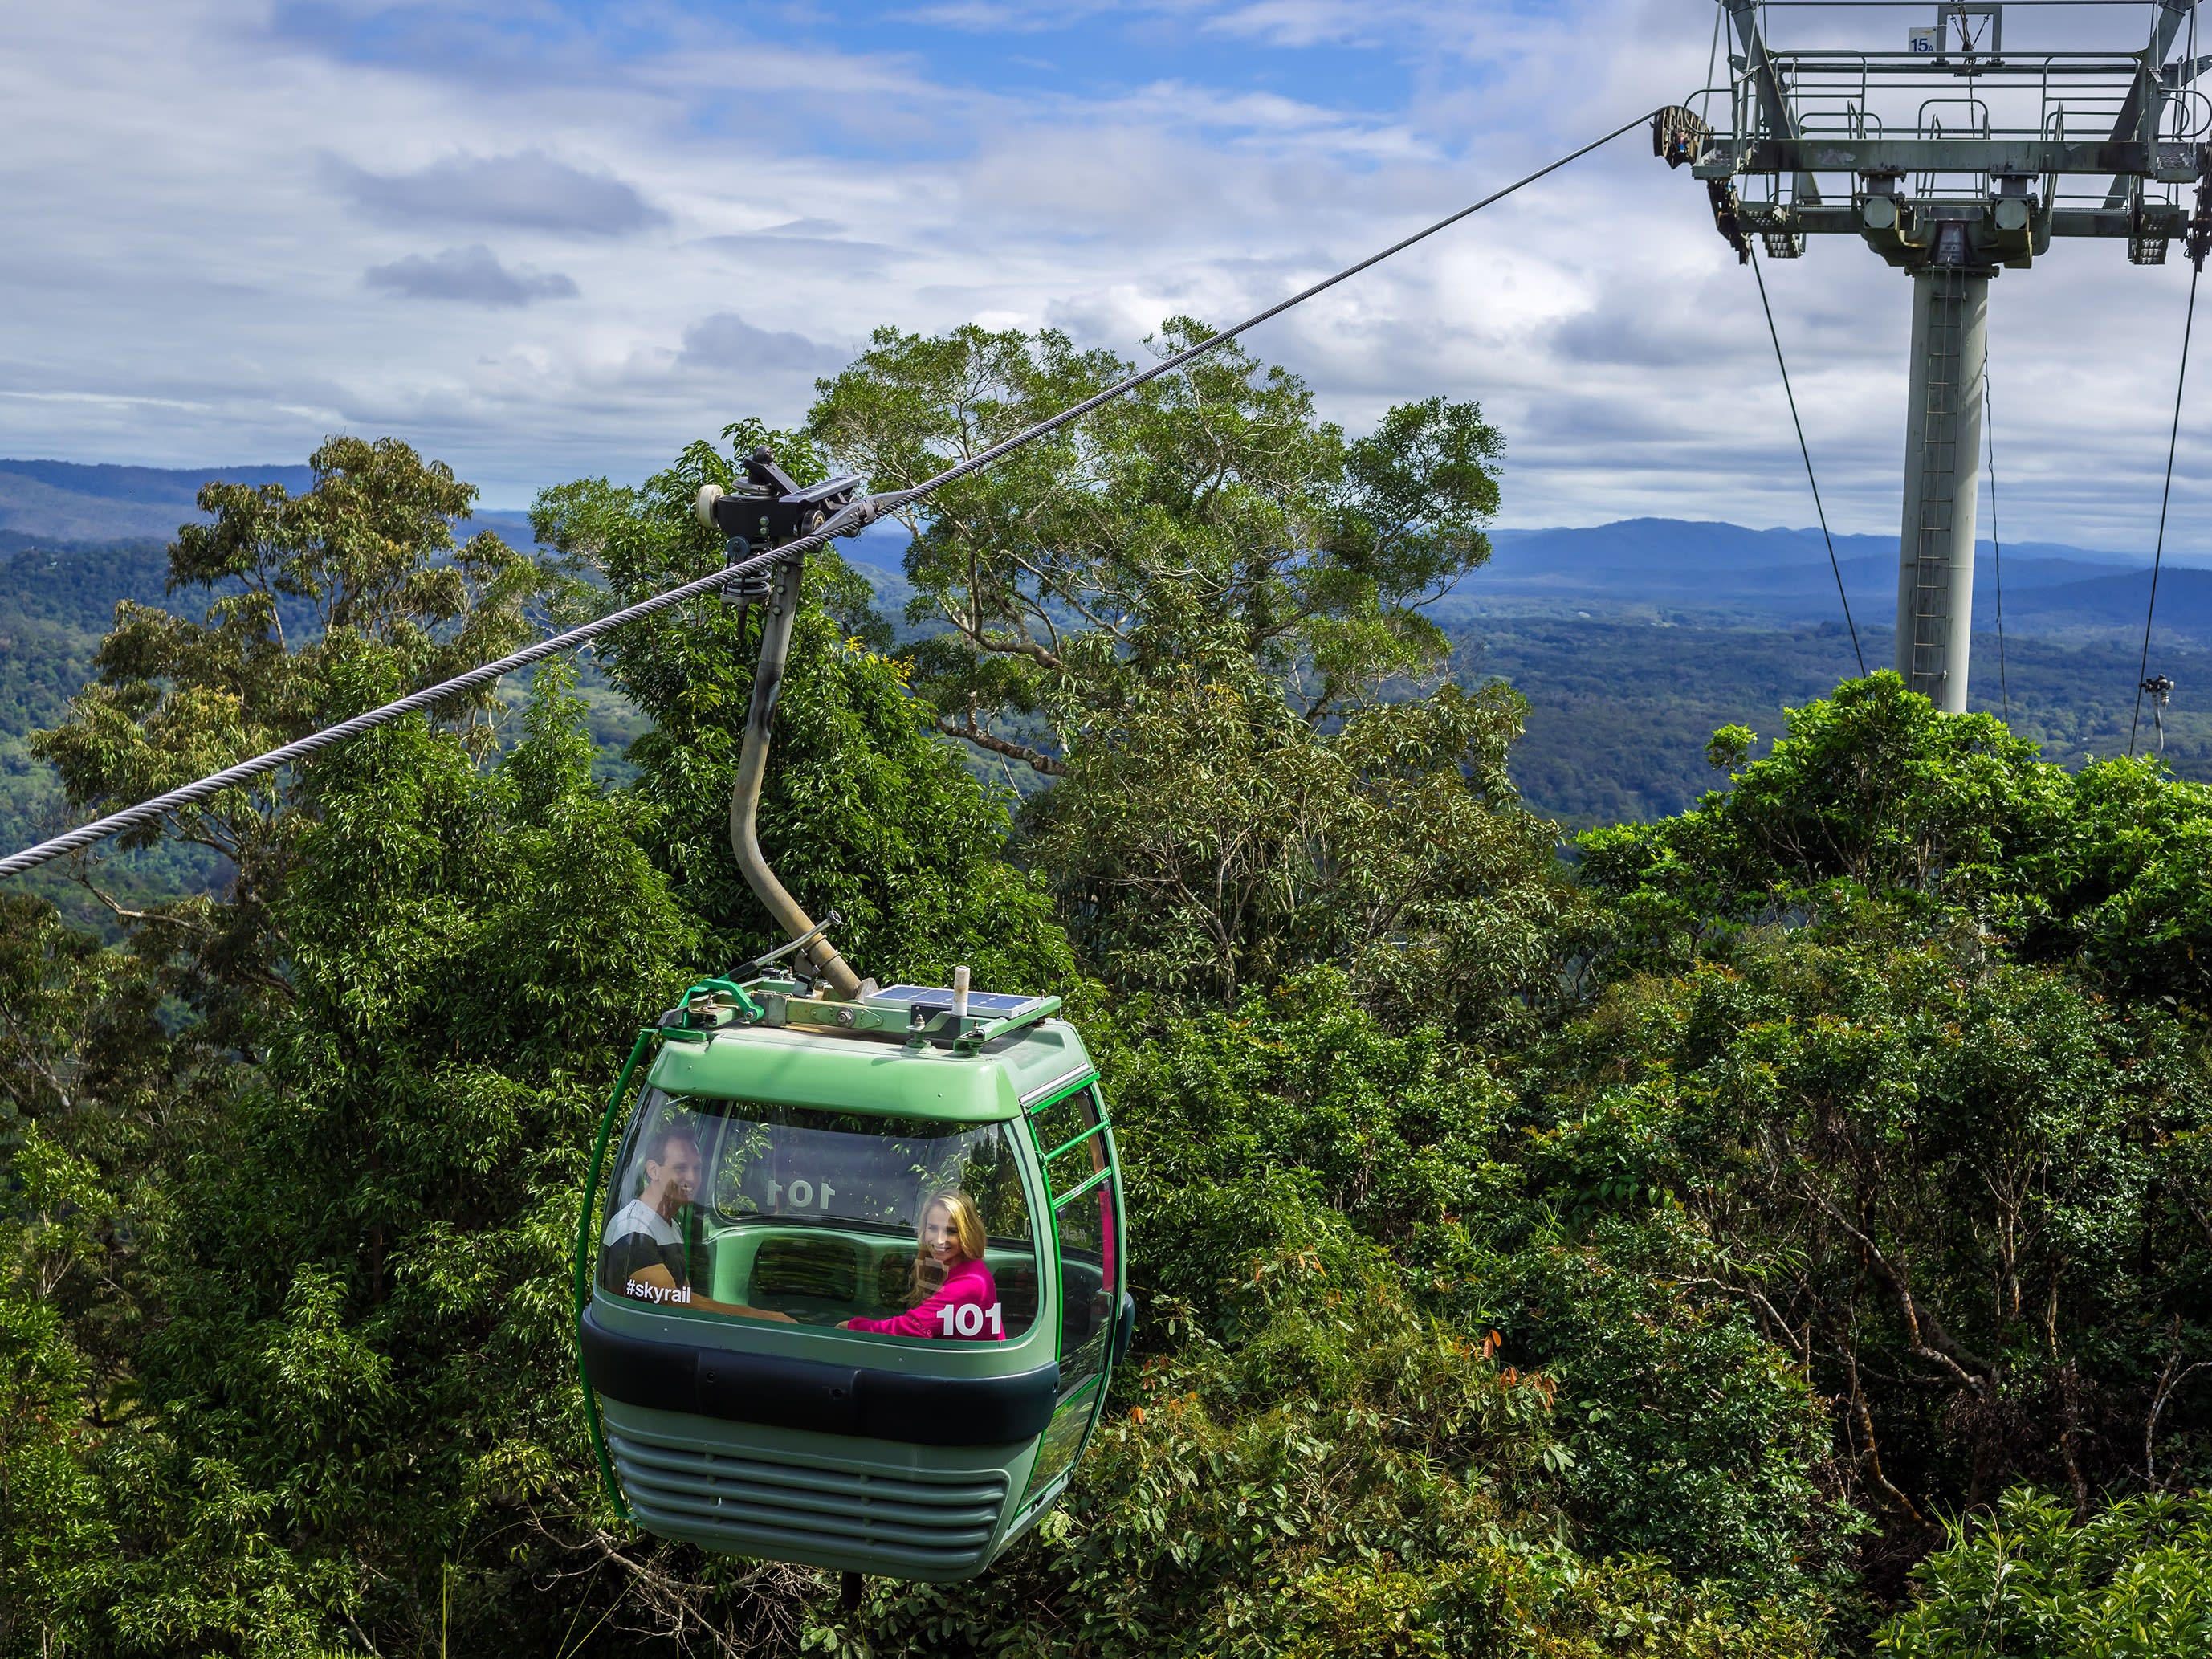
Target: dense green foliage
1784,1227
1206,837
2132,1582
54,606
1874,796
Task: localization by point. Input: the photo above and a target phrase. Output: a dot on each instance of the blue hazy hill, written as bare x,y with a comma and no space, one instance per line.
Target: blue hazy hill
1672,570
43,502
1631,641
1652,569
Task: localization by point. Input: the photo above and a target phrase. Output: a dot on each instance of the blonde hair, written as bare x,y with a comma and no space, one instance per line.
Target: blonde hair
967,1227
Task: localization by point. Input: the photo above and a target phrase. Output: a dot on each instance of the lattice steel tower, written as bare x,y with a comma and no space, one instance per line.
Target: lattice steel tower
1953,155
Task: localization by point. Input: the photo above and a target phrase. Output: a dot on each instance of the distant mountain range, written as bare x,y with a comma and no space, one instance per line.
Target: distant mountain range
1638,570
44,502
1631,641
1667,569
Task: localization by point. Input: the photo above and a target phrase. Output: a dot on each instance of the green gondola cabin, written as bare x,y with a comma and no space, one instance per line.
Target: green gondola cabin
853,1290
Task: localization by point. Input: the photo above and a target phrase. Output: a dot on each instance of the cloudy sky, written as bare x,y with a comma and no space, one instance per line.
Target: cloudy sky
541,239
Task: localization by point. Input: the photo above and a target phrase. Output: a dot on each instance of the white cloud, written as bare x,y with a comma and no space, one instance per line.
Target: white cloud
195,189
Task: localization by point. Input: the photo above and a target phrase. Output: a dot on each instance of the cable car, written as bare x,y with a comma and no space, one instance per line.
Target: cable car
854,1292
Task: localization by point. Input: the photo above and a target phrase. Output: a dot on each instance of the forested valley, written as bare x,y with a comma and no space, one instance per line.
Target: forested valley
1780,1228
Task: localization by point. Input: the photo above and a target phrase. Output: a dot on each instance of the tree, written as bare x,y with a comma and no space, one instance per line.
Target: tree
2033,1580
1938,821
346,1411
2110,874
361,571
1960,1194
54,1547
1672,1428
1207,515
1346,1474
361,1374
98,1099
1206,838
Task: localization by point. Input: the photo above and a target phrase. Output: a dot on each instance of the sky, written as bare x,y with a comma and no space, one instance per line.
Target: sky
544,240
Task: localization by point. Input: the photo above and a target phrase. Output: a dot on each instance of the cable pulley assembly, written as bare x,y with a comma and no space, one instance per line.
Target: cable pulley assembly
770,508
1680,135
767,510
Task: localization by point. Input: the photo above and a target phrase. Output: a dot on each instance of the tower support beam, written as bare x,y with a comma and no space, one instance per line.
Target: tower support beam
1942,481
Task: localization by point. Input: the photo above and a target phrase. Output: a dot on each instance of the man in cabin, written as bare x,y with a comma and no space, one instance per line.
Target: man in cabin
642,1246
642,1253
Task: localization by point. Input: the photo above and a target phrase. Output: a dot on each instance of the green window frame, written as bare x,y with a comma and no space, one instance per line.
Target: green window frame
1070,1177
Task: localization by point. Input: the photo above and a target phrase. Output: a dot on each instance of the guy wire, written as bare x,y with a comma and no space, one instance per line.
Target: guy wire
2158,555
1805,450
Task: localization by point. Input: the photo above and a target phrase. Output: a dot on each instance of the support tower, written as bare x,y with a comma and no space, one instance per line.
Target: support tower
1953,157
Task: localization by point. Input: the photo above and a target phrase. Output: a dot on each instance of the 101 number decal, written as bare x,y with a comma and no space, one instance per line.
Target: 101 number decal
969,1318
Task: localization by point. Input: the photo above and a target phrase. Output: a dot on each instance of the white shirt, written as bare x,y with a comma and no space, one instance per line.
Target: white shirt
639,1217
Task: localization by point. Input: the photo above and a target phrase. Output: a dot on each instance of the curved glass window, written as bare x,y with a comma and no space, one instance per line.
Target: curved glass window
894,1227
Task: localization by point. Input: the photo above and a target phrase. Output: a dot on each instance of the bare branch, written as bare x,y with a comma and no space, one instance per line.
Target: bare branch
2169,1379
2070,1423
1871,1455
1767,1311
1000,645
681,1610
123,915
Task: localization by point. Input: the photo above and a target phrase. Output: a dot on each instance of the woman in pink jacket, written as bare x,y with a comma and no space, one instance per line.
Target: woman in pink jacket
949,1255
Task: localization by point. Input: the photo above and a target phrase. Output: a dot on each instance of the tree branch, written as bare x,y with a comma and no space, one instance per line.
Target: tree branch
1929,1340
1000,646
1873,1454
2169,1379
968,731
123,914
1766,1307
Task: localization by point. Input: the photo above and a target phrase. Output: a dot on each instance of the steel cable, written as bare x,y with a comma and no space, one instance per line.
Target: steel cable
193,794
1804,449
2158,555
848,520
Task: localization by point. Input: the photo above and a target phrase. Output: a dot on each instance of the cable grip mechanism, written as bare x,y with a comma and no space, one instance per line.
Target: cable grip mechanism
770,508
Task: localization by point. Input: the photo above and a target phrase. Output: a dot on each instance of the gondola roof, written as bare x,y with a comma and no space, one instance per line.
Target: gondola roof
804,1067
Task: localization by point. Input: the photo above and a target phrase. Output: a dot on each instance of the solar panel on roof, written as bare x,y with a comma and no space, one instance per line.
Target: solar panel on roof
997,1004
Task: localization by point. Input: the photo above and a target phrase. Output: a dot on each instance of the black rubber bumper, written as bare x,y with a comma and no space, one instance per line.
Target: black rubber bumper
675,1376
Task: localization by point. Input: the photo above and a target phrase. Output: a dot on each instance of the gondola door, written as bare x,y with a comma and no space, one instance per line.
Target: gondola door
1075,1143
